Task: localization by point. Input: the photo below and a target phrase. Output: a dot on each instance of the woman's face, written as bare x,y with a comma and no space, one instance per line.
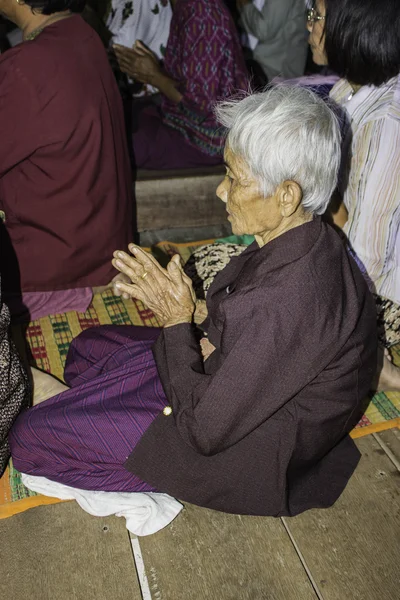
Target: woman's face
248,211
317,37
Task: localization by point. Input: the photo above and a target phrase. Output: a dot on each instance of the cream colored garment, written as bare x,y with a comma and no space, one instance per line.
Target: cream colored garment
371,180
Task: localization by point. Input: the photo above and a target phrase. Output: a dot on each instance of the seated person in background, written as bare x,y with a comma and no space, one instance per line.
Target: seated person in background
65,178
258,424
203,63
359,40
14,386
278,25
138,20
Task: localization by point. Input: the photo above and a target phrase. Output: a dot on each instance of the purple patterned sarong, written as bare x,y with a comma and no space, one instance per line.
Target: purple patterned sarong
83,436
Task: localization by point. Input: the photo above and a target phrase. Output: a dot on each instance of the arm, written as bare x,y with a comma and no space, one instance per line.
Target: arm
257,377
168,87
266,24
336,213
373,194
141,64
19,114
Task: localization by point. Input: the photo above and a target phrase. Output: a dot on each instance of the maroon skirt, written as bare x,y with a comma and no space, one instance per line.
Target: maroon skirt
83,436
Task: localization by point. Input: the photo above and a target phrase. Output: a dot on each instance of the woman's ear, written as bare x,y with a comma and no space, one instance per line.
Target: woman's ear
290,197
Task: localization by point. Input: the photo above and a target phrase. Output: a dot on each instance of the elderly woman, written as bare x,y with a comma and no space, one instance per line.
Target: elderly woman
261,425
65,177
360,41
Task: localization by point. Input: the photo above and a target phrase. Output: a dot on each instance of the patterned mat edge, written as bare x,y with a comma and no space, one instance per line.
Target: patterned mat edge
20,506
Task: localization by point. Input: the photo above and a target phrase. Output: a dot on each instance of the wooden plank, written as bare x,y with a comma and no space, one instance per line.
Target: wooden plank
181,202
60,552
352,549
207,555
389,441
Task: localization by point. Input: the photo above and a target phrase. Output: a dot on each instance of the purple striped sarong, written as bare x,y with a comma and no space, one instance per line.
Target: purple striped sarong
83,436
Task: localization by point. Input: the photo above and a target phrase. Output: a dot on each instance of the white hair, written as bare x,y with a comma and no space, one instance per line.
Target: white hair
286,133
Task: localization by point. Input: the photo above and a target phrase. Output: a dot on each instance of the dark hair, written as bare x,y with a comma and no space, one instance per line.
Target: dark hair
48,7
362,39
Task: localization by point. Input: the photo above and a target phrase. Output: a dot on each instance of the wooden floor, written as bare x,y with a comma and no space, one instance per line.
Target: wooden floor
350,551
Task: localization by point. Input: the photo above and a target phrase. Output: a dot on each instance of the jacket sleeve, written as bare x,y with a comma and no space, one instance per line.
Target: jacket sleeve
265,24
19,113
271,359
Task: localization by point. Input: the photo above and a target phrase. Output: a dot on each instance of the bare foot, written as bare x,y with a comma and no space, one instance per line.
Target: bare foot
388,377
45,386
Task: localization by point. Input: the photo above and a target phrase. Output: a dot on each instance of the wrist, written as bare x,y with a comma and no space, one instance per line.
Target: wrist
180,321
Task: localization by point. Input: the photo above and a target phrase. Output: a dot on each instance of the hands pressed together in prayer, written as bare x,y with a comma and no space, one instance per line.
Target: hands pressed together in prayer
142,64
167,292
139,63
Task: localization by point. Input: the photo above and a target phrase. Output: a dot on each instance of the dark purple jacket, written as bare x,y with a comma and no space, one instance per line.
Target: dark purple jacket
262,427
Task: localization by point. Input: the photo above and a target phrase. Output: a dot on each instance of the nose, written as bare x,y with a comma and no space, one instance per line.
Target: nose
222,192
310,25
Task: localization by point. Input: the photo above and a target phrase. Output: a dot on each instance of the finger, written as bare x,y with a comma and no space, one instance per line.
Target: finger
145,259
122,49
127,266
125,62
175,272
139,51
131,290
177,259
121,56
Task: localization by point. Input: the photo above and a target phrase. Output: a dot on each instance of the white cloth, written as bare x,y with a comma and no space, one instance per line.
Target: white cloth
145,513
141,20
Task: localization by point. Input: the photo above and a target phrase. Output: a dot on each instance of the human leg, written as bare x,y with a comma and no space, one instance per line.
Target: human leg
157,146
83,436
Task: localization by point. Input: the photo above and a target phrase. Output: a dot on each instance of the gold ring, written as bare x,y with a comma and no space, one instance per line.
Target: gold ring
144,275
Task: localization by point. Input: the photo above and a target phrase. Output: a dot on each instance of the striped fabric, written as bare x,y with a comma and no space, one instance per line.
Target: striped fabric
83,436
371,181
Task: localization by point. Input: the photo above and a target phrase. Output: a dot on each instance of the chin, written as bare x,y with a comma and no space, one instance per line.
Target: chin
319,58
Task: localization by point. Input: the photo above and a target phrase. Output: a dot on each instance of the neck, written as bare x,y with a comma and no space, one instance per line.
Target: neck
284,226
355,86
29,21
